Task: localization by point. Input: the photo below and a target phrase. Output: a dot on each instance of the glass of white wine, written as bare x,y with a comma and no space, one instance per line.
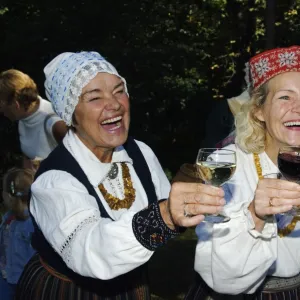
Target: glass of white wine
215,167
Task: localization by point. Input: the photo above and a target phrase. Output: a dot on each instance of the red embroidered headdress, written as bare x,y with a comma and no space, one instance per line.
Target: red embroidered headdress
268,64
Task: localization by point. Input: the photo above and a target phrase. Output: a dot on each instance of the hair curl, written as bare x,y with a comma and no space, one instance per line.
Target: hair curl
250,131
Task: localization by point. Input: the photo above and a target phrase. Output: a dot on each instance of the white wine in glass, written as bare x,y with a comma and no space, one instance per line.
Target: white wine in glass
216,166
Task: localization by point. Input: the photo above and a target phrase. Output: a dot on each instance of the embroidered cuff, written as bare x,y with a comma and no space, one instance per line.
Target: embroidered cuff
269,231
150,229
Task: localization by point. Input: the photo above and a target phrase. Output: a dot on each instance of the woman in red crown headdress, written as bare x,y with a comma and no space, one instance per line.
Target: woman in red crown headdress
256,255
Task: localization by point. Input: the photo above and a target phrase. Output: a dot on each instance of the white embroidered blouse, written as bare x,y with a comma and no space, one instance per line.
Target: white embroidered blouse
100,248
233,257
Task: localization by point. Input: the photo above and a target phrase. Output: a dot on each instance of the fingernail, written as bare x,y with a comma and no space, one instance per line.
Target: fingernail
215,187
222,201
201,218
220,208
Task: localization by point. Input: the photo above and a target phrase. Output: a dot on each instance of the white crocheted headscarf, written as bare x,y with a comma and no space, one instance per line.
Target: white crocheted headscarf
66,76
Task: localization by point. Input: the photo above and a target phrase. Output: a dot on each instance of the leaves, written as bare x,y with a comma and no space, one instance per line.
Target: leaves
3,10
180,58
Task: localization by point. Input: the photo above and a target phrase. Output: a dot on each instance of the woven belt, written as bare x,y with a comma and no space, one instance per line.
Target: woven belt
279,284
53,272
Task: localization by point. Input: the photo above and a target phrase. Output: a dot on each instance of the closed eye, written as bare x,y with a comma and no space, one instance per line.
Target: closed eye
94,99
120,91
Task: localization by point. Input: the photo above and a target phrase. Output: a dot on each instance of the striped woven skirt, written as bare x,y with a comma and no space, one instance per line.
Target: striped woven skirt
274,288
37,283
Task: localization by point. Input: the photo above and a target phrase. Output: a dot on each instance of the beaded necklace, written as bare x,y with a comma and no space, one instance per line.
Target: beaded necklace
129,192
290,227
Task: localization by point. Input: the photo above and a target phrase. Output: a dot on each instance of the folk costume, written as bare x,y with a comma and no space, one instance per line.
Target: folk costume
96,224
233,260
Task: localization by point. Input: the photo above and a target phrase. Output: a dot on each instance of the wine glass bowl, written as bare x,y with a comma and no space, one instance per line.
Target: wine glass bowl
216,166
289,163
289,166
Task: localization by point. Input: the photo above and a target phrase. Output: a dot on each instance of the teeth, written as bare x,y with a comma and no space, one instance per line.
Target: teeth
112,120
116,127
297,123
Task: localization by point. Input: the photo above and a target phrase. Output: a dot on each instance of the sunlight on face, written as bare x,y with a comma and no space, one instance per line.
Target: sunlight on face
102,114
281,111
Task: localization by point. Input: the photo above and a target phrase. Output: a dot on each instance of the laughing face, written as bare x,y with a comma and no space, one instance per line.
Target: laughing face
281,111
102,115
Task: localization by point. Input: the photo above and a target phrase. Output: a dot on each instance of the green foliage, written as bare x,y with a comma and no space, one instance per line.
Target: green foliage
168,174
180,58
3,10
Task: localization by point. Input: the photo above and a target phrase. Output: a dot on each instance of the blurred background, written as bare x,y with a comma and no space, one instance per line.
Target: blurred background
182,61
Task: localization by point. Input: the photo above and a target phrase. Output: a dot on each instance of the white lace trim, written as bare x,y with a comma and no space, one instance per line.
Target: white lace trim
66,248
84,76
65,82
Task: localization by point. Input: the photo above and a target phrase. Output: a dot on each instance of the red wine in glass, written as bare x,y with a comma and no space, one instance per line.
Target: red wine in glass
289,167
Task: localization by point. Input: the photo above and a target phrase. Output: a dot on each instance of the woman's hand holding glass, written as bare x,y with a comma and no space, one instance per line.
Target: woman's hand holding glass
190,202
275,196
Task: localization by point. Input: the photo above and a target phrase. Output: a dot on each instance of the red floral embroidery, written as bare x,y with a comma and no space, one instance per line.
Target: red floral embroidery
270,63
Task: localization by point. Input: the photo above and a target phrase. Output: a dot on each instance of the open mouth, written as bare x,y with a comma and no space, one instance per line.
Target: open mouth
293,124
113,123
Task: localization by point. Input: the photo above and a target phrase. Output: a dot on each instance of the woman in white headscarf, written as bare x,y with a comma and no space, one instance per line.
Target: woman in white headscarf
101,203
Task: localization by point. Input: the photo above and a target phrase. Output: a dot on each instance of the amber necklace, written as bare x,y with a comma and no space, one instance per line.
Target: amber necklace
289,228
129,192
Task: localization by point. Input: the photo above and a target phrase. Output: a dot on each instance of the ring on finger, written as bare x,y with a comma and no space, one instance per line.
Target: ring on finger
271,202
185,213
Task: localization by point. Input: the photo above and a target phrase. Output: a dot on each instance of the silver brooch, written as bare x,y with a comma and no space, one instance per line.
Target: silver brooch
113,173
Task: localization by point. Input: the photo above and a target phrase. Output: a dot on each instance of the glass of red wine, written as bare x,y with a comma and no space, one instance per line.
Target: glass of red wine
289,167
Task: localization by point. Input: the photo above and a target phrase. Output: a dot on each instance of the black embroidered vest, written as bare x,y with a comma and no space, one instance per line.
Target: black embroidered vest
61,159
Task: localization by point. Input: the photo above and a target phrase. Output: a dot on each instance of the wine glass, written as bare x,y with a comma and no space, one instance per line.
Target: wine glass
289,166
215,167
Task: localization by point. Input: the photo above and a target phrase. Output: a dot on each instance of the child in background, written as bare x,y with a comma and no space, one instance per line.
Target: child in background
15,230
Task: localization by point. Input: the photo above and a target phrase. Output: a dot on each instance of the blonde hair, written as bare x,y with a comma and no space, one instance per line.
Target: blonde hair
17,86
17,182
250,131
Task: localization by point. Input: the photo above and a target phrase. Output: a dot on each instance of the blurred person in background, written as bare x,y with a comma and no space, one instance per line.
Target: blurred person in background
15,230
40,129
